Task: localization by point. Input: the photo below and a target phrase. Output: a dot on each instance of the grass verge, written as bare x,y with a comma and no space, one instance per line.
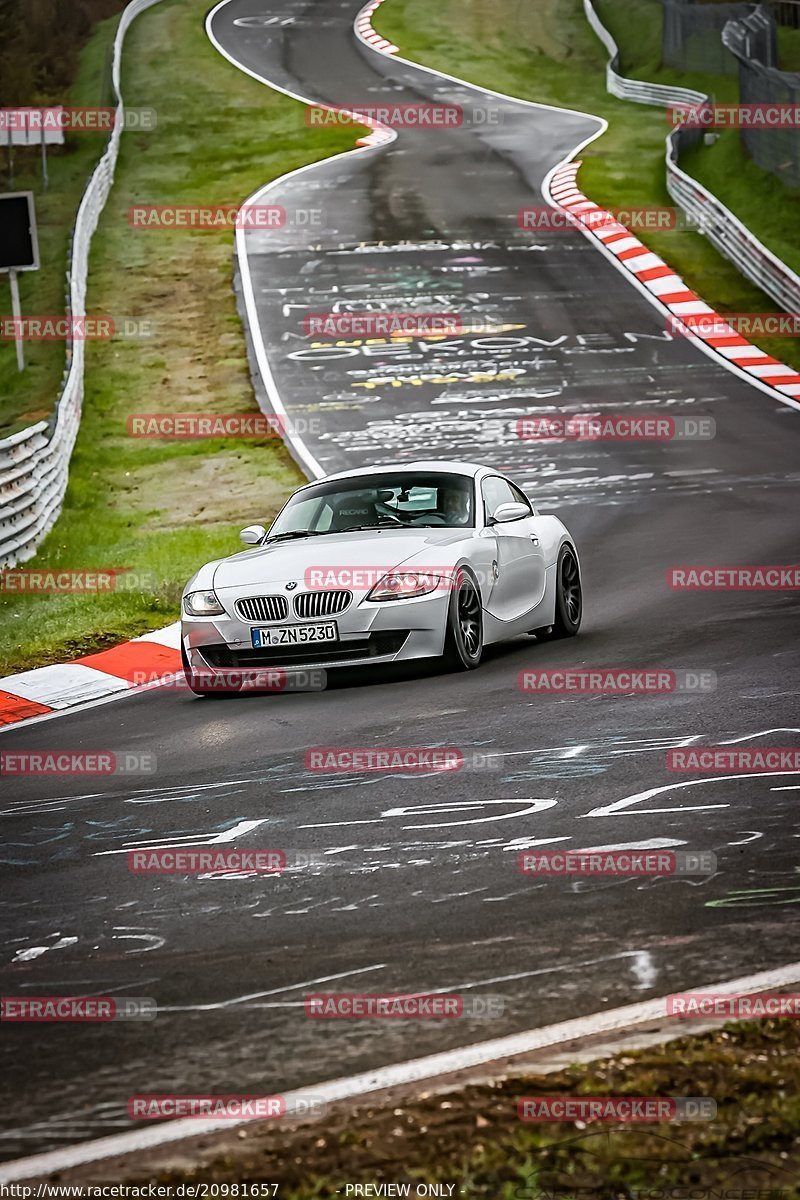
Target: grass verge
548,52
161,508
472,1138
30,396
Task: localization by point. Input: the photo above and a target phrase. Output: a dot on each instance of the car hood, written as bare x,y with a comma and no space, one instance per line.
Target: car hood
368,548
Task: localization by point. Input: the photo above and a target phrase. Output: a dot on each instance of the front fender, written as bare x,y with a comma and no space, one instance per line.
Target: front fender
202,580
476,553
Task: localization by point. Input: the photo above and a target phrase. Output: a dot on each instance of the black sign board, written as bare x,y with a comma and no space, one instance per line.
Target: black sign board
19,249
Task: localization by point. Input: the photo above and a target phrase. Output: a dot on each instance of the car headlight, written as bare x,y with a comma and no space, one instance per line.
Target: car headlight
403,585
202,604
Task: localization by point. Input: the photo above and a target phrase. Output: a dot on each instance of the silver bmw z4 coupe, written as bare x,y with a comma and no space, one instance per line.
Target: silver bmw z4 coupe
381,565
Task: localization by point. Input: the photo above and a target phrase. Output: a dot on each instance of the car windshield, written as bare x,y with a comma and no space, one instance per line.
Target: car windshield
394,500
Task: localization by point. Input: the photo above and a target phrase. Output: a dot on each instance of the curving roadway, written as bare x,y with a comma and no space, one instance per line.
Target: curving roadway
419,889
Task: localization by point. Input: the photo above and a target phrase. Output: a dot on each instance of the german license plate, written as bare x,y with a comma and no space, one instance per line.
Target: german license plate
294,635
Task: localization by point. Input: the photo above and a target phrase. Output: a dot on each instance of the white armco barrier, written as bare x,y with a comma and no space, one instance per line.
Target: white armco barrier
725,231
34,463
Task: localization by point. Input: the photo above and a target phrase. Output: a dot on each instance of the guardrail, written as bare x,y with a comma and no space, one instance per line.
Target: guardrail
785,12
716,222
34,463
635,89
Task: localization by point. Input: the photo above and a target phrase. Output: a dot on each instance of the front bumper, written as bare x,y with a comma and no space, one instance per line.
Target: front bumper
369,634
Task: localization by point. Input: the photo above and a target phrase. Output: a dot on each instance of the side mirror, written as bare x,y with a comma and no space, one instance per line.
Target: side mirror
252,535
511,511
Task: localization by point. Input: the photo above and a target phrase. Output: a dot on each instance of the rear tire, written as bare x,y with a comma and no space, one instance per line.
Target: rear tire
463,644
569,599
192,681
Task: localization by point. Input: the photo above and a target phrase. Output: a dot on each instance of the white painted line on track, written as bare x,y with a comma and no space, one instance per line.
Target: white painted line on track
301,451
616,1020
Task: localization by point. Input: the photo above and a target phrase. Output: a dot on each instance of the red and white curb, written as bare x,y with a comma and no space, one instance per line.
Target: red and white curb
155,657
668,288
380,135
146,660
364,28
645,270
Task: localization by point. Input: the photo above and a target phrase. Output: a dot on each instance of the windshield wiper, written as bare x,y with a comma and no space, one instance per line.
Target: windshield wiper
294,533
307,533
378,525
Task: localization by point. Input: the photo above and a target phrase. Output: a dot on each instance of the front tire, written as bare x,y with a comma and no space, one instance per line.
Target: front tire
463,645
569,599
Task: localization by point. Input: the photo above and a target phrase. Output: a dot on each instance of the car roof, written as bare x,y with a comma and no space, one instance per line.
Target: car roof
422,464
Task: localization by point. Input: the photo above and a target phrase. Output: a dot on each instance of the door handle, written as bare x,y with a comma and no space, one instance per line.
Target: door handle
535,540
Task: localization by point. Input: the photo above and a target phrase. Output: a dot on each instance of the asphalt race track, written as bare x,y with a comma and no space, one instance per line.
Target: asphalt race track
416,887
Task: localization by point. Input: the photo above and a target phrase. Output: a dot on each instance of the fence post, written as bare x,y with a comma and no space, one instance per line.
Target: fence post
34,462
733,239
